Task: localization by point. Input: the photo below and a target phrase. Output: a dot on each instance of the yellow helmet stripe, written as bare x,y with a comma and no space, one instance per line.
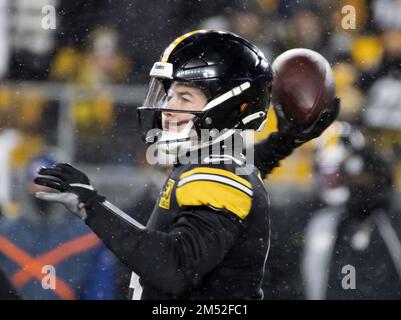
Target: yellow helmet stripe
175,43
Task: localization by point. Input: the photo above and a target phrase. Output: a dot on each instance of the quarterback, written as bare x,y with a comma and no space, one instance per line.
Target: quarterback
208,235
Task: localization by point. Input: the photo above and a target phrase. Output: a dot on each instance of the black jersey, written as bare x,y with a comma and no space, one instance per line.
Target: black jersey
207,238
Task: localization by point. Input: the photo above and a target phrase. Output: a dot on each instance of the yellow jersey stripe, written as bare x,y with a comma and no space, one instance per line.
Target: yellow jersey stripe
216,195
216,171
176,42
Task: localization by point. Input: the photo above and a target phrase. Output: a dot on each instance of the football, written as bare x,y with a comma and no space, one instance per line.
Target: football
303,86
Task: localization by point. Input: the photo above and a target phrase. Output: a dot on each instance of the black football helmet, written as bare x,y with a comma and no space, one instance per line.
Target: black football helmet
233,73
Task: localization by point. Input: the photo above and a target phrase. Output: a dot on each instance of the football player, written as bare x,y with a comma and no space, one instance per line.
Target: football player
353,241
208,235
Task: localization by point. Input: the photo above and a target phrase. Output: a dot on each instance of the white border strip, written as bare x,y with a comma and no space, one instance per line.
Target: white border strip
123,215
212,177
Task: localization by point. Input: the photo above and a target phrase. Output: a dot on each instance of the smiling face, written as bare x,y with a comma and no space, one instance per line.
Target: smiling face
181,96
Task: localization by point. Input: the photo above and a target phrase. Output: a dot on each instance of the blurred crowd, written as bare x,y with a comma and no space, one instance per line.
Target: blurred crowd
99,45
99,42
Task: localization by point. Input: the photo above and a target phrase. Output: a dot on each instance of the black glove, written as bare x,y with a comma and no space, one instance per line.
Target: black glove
295,135
76,192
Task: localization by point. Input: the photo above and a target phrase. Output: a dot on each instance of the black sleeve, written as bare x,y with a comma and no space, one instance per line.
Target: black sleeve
270,151
174,261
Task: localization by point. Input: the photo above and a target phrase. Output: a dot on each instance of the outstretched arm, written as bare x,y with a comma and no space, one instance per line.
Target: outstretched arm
169,261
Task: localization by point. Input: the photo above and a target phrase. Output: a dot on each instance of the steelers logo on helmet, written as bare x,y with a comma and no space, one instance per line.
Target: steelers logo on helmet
205,80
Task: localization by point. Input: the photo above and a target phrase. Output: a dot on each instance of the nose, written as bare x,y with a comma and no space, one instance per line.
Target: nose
168,115
170,104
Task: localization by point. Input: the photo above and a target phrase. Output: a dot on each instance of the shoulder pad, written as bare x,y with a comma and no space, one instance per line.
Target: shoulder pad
216,188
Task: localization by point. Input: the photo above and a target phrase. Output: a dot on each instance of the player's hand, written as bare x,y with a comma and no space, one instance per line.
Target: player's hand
75,190
299,135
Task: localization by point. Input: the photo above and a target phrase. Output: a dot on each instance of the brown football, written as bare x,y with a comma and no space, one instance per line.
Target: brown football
303,86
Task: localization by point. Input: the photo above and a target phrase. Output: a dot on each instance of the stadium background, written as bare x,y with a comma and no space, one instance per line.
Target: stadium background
76,88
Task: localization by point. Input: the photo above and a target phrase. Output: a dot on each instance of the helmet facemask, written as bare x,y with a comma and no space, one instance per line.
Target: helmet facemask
182,136
170,110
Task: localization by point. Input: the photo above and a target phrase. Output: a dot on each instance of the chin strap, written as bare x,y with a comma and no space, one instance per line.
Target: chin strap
170,143
254,116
